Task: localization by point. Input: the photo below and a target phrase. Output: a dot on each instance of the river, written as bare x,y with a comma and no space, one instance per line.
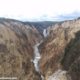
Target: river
36,59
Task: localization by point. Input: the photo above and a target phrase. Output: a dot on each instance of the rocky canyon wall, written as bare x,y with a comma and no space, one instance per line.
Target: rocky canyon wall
60,50
16,50
58,55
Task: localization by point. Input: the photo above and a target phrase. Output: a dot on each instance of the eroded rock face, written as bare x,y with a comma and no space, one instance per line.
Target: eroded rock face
55,53
16,50
59,51
71,59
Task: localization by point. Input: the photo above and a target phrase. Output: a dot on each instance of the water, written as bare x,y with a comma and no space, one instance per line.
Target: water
45,33
37,57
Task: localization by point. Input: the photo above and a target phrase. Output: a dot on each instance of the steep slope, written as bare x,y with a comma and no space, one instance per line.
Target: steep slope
53,50
71,59
20,27
16,50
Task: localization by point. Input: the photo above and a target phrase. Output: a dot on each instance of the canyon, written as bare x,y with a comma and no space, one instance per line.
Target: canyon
40,50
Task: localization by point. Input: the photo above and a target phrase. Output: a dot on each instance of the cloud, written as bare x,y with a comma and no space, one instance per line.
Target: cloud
39,9
70,16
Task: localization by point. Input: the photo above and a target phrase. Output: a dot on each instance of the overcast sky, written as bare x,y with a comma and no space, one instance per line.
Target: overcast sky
35,10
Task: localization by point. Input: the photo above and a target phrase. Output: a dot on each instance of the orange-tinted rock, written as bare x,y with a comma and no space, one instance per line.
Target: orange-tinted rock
53,47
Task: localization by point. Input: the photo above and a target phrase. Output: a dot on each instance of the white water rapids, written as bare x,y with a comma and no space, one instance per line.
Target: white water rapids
37,57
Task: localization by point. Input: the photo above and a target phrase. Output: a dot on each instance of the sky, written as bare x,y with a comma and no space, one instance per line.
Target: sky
40,10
